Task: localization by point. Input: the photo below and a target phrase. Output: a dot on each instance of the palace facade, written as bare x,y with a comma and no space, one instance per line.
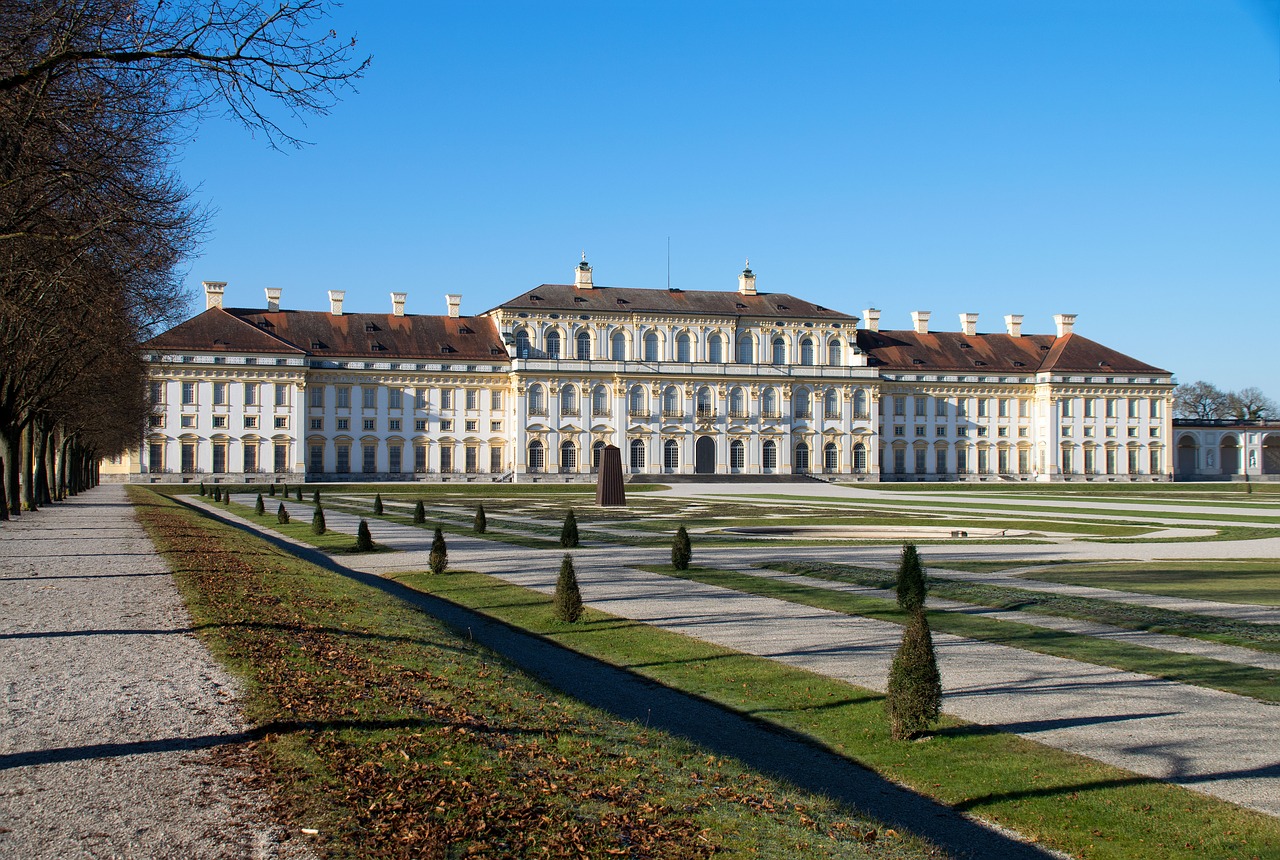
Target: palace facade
683,381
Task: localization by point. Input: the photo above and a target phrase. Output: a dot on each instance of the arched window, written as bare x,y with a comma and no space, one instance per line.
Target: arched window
597,450
537,400
800,401
769,403
522,343
737,455
715,349
635,401
746,350
684,347
584,346
801,462
670,455
835,355
618,346
706,402
830,458
860,458
737,403
568,456
831,404
806,351
769,456
637,455
651,346
569,400
779,351
600,401
537,456
553,344
671,401
860,403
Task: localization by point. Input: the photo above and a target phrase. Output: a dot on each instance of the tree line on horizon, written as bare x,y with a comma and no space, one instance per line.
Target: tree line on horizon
1204,401
97,98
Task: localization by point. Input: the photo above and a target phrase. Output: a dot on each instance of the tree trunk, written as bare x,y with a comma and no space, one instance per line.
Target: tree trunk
62,467
39,463
29,468
12,442
4,496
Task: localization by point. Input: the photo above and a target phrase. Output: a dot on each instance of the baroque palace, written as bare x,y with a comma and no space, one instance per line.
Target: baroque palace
682,381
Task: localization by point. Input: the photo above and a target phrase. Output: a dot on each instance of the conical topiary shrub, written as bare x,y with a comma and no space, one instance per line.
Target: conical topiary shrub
681,549
271,490
482,522
439,558
911,581
315,497
258,507
377,504
569,534
226,497
914,698
568,599
299,492
317,522
217,493
282,516
419,513
364,540
202,491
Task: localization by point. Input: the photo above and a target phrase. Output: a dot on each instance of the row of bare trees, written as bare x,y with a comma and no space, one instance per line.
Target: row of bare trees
96,99
1204,401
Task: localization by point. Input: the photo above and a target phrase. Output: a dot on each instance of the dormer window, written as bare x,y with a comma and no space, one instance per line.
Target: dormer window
622,302
370,327
783,308
979,363
317,344
446,349
579,299
465,330
535,297
376,347
917,361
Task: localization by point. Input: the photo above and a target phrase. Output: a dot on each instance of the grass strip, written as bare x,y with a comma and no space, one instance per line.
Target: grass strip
1131,616
395,738
1254,582
1066,802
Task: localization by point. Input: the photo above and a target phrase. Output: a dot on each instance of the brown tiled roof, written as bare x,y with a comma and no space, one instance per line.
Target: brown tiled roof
956,352
567,298
320,334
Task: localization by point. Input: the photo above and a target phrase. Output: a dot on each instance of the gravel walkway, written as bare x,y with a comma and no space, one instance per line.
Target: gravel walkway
112,709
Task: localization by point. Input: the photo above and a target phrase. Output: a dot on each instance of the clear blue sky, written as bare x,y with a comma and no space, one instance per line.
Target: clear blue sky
1119,159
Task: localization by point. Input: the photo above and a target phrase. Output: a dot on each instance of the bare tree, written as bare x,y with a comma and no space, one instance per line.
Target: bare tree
1199,400
1250,404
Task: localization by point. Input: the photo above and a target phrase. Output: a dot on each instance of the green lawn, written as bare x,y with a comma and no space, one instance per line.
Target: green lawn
1255,582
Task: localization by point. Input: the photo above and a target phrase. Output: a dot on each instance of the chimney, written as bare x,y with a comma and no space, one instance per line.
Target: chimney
747,281
1013,324
335,301
455,304
969,324
920,321
871,317
213,291
1065,323
581,276
397,303
273,299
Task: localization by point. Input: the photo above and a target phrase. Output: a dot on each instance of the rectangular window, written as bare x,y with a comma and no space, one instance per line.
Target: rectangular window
369,424
940,461
1156,408
282,394
495,458
219,422
982,431
157,393
446,425
495,400
251,422
962,431
317,397
899,430
369,461
317,423
1024,461
251,457
920,432
940,407
1155,461
188,393
472,425
344,459
1090,462
495,426
281,458
962,407
188,456
420,459
1068,462
188,422
155,421
393,458
1002,407
394,425
420,425
344,396
282,422
940,430
962,460
899,461
395,399
316,458
1090,407
446,398
899,406
446,458
473,398
219,394
1133,432
1111,408
251,394
1067,430
921,461
1024,408
1134,455
344,423
420,398
1002,431
369,396
921,404
1135,407
982,407
471,459
1067,405
1002,461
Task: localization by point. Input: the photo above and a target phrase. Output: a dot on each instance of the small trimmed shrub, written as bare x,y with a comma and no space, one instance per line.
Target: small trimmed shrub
681,550
439,558
568,599
911,582
226,497
914,698
282,516
317,522
202,491
271,490
419,513
315,497
217,493
569,534
364,540
299,492
377,504
258,507
482,522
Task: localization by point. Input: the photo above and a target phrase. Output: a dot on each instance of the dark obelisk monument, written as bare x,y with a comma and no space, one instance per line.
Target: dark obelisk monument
609,491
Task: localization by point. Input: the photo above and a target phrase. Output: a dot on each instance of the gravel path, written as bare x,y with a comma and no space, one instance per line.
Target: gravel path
112,709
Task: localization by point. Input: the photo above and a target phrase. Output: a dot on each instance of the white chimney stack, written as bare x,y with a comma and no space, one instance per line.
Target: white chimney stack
273,299
1013,324
920,321
397,303
1065,323
747,281
213,291
455,304
871,317
581,275
969,324
335,301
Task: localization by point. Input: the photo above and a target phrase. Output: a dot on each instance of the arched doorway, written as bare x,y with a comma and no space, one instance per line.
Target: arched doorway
1188,456
801,464
1229,456
704,456
1271,455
